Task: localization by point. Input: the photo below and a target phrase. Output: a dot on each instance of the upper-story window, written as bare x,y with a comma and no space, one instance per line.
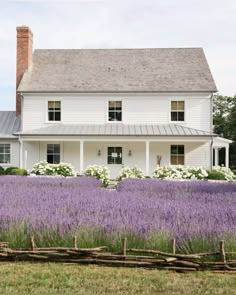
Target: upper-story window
54,111
115,111
177,154
53,153
5,153
177,110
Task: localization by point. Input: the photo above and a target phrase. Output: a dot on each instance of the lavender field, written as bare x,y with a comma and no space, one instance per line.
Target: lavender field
148,212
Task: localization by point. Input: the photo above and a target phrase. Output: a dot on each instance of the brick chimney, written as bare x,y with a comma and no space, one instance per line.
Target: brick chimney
23,58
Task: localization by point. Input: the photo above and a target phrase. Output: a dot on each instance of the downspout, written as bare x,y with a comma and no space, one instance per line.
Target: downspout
20,140
20,151
211,110
22,106
211,153
211,131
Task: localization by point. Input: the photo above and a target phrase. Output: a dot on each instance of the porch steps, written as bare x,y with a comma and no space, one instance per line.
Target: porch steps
112,184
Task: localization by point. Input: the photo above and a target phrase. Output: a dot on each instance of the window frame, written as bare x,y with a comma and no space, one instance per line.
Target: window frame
60,152
108,155
122,108
184,154
170,110
10,153
47,110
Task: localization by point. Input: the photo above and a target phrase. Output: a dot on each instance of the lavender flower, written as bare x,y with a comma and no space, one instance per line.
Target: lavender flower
187,210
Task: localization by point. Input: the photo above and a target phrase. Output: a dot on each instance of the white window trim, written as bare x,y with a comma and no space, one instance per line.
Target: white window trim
7,164
122,111
46,112
185,113
184,154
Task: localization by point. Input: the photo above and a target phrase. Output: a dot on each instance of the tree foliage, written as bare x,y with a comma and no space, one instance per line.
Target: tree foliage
224,121
224,110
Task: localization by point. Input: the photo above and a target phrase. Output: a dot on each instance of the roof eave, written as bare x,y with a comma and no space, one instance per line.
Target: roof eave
114,135
123,91
8,136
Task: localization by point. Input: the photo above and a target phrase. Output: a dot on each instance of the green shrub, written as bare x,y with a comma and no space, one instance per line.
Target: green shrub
19,171
216,175
2,171
234,171
127,172
9,170
228,174
100,172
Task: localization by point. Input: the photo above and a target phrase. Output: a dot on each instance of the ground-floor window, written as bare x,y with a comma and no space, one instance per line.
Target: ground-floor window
53,153
177,154
5,153
114,155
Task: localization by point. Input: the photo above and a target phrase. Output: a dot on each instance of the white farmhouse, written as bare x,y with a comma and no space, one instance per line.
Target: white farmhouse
110,107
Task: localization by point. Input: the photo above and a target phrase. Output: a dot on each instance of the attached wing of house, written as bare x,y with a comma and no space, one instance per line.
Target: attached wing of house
114,107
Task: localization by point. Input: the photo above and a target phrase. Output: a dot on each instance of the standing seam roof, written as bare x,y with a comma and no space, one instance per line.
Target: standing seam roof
9,124
117,130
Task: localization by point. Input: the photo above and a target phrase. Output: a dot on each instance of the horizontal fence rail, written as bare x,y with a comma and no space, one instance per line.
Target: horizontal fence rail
152,259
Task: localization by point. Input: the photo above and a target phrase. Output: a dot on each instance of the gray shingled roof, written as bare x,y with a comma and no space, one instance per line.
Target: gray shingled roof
9,124
116,130
118,70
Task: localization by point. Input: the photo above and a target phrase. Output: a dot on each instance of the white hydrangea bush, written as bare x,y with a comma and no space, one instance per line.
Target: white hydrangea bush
198,172
227,172
179,172
128,172
45,168
100,172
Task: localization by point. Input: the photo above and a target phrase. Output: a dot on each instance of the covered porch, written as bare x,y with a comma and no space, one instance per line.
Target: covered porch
220,143
145,153
117,145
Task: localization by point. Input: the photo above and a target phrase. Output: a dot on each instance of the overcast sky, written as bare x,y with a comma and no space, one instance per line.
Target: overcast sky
210,24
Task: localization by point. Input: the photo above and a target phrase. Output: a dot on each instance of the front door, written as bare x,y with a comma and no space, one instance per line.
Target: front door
114,160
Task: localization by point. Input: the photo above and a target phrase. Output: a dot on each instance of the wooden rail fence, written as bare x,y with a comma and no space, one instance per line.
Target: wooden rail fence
153,259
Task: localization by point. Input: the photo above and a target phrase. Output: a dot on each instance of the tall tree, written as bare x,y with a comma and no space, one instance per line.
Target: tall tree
232,122
224,121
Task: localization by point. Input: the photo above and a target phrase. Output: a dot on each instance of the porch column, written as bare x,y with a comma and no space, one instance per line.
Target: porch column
81,156
25,159
227,156
147,143
216,156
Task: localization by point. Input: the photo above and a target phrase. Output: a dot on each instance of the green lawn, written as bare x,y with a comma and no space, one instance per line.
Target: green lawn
27,278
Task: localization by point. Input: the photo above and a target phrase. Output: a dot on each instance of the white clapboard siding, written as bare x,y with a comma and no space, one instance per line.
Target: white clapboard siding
198,155
71,152
137,109
198,113
31,154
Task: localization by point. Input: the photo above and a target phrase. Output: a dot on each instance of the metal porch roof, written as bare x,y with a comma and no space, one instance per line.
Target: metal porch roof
115,129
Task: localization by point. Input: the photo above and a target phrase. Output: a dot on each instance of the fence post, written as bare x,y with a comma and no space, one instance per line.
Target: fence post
222,251
75,242
32,243
173,245
124,246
